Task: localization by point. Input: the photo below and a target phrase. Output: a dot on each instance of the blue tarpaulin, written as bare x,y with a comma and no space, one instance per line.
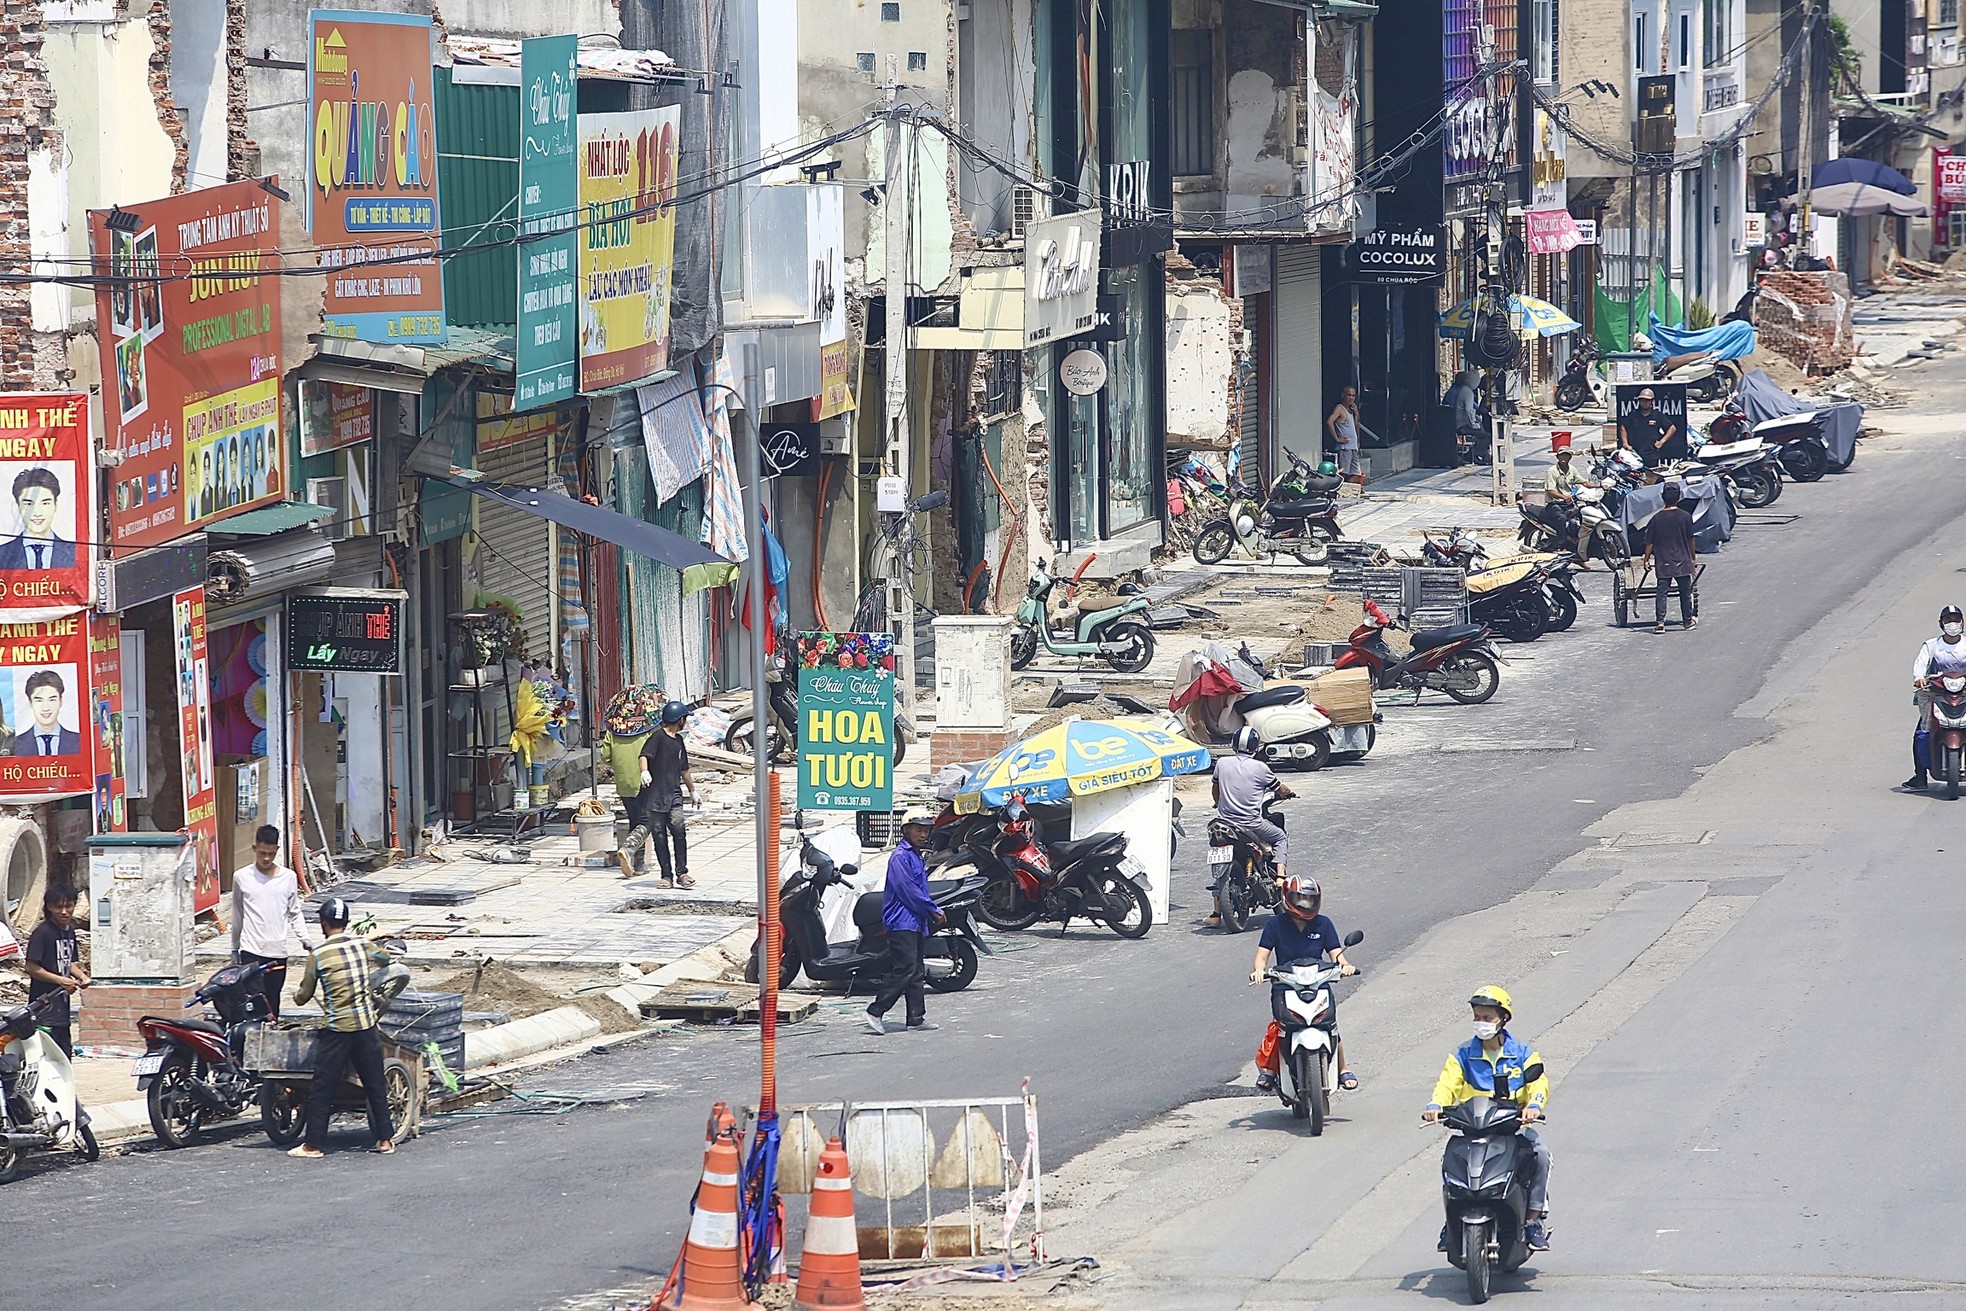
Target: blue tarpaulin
1733,341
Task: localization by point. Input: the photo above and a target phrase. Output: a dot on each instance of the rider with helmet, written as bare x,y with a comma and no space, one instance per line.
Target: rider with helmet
665,775
1243,782
1296,933
1470,1072
1944,654
343,968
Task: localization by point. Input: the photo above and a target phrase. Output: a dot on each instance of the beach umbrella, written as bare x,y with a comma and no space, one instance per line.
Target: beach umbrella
1077,758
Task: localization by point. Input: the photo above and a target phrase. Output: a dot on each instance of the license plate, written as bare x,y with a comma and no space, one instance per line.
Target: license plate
147,1065
1221,855
1132,868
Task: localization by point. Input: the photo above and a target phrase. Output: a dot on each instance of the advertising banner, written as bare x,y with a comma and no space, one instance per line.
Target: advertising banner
47,474
106,721
372,176
826,230
194,711
846,721
627,244
44,695
190,361
1398,253
334,415
1551,231
549,198
1061,277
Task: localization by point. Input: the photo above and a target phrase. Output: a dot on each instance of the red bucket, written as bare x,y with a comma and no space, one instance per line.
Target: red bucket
1560,440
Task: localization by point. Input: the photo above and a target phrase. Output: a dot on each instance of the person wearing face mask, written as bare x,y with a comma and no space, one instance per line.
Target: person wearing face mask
1944,654
1470,1072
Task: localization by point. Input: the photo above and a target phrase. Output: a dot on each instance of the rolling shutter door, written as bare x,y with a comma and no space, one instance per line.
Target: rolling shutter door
513,551
1298,362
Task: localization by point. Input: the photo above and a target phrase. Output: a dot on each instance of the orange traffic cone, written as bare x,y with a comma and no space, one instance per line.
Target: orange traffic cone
721,1124
829,1265
711,1279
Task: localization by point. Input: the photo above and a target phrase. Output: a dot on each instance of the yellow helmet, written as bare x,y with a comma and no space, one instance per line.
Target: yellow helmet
1491,994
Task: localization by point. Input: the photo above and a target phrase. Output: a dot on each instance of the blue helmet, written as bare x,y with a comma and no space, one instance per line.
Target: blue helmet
675,713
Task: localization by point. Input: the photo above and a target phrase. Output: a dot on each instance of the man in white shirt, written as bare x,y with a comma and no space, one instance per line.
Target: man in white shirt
265,908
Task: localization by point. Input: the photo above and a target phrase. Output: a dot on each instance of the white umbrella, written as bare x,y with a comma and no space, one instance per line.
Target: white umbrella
1856,199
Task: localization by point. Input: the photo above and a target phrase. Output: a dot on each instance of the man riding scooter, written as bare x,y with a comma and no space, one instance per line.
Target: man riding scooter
1560,511
1470,1072
1941,655
1295,933
1242,783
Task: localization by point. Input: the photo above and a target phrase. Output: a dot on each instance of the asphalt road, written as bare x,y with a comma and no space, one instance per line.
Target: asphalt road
1804,1044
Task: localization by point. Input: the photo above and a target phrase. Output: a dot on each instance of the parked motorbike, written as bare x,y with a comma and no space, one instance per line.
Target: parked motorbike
782,708
949,953
1302,1005
1484,1185
38,1107
1245,869
1803,453
1117,634
1457,660
1084,878
1751,466
1298,516
1560,590
192,1071
1948,729
1582,383
1706,375
1512,598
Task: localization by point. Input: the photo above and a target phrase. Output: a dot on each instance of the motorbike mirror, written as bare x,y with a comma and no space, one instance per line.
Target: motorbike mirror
1355,937
848,871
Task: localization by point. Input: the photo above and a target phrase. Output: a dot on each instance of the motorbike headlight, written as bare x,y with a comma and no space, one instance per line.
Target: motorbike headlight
1245,525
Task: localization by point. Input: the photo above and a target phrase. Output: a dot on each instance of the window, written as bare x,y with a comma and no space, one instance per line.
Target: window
918,61
1685,42
1956,223
864,61
1638,42
1717,33
1192,90
1948,13
891,13
1542,46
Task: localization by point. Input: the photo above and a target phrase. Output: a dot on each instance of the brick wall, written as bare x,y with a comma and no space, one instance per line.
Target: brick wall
26,124
110,1011
159,22
966,746
1806,318
241,152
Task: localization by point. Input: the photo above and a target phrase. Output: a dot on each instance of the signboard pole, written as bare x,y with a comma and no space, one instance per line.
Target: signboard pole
764,835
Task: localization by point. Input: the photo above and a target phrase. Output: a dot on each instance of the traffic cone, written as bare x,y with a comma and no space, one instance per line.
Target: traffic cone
711,1278
829,1264
722,1124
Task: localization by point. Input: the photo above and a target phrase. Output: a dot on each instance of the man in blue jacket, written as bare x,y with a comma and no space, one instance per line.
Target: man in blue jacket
910,915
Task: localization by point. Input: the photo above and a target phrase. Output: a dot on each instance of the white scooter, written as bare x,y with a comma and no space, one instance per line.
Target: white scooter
1302,1005
38,1109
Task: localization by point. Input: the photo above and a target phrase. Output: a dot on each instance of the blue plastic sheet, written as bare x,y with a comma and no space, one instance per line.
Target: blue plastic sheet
1734,341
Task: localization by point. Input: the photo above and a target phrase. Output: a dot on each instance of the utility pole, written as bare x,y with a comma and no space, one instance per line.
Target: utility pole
1805,136
900,593
1501,436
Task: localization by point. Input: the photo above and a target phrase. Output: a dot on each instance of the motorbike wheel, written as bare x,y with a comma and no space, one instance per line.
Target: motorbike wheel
963,952
1125,911
739,739
10,1159
1003,905
1300,1074
1952,774
1572,394
1613,547
1525,621
175,1115
1232,901
788,965
1806,461
1023,646
1479,666
1476,1237
1314,1090
282,1112
1704,390
1757,490
1214,542
1136,642
1312,551
1563,609
86,1145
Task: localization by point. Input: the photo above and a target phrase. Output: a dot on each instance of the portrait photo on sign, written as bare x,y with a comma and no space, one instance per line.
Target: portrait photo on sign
37,517
150,292
122,287
42,709
132,392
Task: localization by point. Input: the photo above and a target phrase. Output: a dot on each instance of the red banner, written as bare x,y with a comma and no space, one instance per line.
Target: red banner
45,468
106,697
194,709
1551,231
190,361
44,692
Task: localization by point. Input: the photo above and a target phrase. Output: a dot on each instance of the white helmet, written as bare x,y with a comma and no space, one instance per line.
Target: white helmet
1248,742
1641,342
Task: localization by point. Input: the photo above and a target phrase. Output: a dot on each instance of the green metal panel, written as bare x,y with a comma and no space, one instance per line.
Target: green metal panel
478,176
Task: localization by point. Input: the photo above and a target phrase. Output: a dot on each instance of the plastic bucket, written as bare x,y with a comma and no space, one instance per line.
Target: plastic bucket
596,832
1560,439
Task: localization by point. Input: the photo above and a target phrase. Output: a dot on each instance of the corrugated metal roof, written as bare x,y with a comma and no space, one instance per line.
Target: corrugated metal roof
608,63
270,519
478,181
491,347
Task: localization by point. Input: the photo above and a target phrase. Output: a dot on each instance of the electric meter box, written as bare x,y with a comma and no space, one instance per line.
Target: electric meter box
141,887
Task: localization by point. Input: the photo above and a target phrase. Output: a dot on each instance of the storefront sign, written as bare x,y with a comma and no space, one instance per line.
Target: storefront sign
190,361
1061,277
346,631
1550,232
1414,252
1668,410
1548,169
1586,232
1478,132
1083,372
151,575
334,415
499,428
846,721
1754,229
549,197
627,165
106,722
372,176
44,692
826,231
789,449
194,713
45,520
1949,178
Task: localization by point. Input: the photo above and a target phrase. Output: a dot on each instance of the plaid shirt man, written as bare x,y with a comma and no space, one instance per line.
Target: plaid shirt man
341,965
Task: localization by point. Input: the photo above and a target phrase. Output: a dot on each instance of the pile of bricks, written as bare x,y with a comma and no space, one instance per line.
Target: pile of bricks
1806,318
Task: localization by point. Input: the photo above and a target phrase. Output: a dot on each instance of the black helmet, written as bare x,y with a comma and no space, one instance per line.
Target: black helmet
1951,615
335,911
675,713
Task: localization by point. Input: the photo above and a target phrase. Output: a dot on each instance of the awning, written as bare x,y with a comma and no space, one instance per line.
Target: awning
270,519
644,539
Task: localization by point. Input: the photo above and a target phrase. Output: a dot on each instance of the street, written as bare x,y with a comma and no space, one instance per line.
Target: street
1682,853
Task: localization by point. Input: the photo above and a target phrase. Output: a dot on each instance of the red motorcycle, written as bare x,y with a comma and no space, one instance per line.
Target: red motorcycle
192,1070
1087,878
1457,660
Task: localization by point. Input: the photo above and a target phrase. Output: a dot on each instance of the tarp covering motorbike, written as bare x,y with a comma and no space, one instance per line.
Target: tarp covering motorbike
1728,341
1706,499
1763,399
1213,670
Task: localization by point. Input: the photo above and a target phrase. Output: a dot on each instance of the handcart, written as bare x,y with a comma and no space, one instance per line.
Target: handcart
1635,583
283,1057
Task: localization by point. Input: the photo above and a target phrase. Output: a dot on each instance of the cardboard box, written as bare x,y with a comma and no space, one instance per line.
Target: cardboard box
1345,694
242,784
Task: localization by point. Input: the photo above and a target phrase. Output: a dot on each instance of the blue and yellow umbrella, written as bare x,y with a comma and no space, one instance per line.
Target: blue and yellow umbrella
1527,315
1079,757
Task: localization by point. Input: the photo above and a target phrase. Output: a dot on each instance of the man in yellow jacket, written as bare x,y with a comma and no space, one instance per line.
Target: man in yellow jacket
1470,1072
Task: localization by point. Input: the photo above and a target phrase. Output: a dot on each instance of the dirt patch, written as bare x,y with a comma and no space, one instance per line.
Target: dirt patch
493,987
1786,374
613,1017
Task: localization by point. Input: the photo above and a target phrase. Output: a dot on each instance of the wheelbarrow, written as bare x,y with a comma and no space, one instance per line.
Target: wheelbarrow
284,1057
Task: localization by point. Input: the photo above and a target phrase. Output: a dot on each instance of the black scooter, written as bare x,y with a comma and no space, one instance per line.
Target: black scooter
949,954
1484,1184
1245,869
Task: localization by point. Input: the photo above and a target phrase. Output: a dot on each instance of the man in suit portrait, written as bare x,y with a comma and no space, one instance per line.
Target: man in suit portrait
37,495
45,735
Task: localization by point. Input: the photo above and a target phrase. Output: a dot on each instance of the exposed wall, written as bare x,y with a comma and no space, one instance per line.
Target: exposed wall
1264,97
1201,324
29,146
999,72
1594,43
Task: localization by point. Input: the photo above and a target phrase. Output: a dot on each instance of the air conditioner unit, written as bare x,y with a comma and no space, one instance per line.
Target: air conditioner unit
1027,205
333,493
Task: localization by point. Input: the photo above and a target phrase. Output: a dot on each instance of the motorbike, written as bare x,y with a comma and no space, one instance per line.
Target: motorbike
1706,375
782,708
1802,451
1581,383
1484,1186
1457,660
1084,878
949,952
1589,528
38,1107
1117,634
1512,598
1560,590
1948,729
192,1070
1307,1064
1245,872
1299,516
1753,467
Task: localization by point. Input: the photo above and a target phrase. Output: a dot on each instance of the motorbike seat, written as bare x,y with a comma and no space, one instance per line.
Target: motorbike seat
940,888
1429,638
187,1022
1104,601
1306,508
1064,853
1289,694
867,912
1320,482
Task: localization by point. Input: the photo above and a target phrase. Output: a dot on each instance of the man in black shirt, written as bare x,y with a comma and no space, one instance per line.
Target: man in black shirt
51,966
1670,550
1647,431
665,774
